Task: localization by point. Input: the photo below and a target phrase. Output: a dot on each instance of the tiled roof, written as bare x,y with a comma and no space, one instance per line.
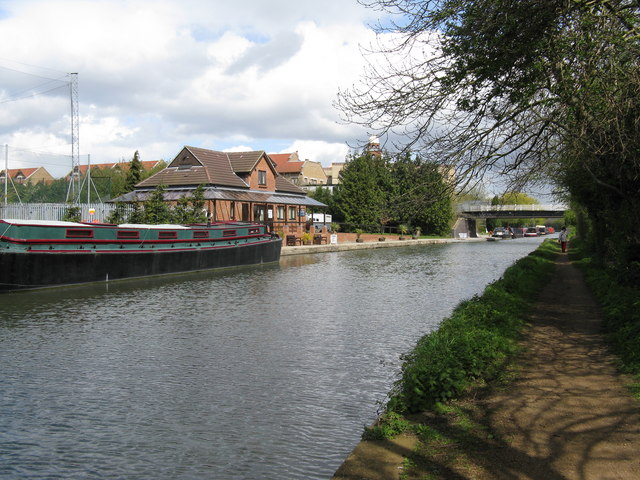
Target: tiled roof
284,185
197,166
27,172
290,167
287,162
244,162
280,157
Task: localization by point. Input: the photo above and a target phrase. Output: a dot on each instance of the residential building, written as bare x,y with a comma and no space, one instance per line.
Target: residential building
81,170
306,174
237,186
27,175
333,173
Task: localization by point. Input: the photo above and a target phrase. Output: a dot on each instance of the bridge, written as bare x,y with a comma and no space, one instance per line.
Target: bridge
469,212
472,210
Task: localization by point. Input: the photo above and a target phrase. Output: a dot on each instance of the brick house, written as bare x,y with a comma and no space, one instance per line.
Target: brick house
237,186
27,175
304,173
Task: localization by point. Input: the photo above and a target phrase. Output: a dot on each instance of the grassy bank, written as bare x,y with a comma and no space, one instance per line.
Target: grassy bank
618,294
471,347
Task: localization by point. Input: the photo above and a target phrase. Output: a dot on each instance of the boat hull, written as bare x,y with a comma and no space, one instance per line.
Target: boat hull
35,269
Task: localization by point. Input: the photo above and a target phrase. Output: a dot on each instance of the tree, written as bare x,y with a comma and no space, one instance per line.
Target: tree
361,197
532,89
156,210
118,215
190,208
420,196
134,173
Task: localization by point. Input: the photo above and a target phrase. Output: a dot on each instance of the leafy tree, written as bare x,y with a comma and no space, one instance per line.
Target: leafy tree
324,195
361,197
190,208
515,198
118,215
156,209
72,214
535,90
137,214
420,196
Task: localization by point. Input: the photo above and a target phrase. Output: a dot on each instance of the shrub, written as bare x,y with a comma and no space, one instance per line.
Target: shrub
474,342
388,426
620,304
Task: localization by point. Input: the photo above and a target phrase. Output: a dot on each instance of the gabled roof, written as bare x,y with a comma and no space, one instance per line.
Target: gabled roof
287,162
197,166
26,172
14,172
245,162
82,169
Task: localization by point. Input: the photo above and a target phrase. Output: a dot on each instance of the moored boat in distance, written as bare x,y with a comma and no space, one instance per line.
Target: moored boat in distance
36,253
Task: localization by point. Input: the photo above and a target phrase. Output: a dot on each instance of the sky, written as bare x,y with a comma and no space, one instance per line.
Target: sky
156,75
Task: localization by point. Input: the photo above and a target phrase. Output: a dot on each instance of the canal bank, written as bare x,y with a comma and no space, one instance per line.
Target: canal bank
566,415
353,245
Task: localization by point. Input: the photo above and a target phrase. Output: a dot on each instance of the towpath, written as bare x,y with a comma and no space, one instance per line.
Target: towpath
568,415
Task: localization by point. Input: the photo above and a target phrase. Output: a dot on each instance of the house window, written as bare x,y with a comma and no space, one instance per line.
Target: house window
232,211
292,213
262,177
280,212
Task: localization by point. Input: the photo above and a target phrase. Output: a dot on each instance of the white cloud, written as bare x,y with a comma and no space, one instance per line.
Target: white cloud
319,151
155,75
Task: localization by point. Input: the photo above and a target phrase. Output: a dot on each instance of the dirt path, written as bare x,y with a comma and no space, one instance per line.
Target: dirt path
568,415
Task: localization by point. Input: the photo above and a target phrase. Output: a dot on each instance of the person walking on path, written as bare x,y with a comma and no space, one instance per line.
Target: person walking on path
562,239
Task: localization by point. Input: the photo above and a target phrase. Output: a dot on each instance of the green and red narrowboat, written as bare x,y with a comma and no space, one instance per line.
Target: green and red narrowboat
36,253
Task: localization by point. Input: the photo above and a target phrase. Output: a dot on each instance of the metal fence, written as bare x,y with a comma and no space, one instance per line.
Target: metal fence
56,211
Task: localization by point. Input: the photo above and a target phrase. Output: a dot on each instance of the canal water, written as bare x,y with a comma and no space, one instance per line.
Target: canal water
253,373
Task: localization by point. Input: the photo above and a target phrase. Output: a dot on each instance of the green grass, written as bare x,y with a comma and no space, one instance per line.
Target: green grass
476,342
619,301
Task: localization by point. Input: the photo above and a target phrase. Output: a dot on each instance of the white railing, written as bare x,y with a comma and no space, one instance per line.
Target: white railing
56,211
536,207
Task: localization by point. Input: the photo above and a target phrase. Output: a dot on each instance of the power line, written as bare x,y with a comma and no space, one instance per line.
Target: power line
33,94
32,66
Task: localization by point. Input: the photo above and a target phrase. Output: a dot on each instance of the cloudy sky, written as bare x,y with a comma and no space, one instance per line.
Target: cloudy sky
155,75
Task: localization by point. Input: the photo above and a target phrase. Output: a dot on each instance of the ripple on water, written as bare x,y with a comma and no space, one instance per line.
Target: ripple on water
252,373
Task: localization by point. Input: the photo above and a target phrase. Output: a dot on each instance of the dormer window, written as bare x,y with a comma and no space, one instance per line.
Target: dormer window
262,177
185,163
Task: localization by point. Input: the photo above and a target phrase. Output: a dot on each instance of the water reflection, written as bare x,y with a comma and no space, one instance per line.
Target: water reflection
252,373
